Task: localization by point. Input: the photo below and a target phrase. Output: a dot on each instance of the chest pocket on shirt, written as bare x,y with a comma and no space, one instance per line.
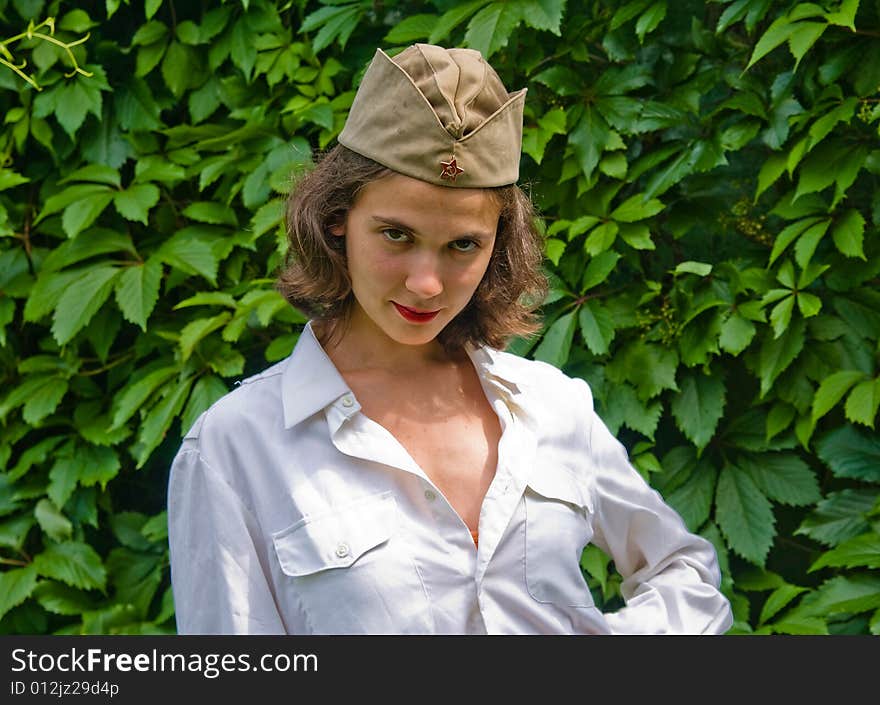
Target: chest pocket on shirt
351,572
557,529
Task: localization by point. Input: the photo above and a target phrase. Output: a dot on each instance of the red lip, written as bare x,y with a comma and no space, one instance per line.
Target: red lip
414,315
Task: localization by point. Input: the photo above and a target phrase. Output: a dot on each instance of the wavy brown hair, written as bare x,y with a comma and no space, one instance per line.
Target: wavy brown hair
315,278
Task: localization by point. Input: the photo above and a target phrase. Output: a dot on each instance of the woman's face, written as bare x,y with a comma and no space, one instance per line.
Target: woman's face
416,254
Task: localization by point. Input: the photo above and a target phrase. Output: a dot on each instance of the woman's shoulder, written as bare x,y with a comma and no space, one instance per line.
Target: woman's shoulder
250,402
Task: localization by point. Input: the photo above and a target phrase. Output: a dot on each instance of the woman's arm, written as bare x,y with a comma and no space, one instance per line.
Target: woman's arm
671,575
219,576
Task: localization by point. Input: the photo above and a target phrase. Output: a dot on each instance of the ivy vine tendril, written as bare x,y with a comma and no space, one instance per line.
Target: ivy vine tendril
33,32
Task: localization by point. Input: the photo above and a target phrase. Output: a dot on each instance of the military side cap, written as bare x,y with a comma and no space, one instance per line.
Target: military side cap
439,115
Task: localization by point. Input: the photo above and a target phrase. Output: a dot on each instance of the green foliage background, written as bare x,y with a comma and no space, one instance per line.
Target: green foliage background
707,174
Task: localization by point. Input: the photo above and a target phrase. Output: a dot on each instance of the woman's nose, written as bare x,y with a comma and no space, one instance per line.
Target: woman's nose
424,278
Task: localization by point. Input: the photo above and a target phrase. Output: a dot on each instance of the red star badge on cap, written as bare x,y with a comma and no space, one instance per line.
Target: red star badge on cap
450,170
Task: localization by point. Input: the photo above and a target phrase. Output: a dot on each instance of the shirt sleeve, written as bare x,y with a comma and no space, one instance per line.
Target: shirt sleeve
671,576
219,578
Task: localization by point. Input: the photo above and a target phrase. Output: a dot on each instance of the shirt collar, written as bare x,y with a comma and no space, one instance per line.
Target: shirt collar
501,369
311,381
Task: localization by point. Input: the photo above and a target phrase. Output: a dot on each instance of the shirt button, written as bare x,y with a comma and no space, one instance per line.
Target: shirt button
342,550
430,495
347,401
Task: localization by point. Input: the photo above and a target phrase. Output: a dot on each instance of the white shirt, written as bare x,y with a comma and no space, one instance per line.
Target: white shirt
290,511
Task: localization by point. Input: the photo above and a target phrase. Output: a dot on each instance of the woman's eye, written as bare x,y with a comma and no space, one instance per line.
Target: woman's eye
464,245
393,235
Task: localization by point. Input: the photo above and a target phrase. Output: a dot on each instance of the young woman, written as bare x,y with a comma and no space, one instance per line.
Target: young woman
398,474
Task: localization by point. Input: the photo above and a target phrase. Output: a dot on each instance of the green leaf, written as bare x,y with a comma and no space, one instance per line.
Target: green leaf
778,599
597,326
848,233
788,235
845,15
650,19
52,521
62,599
701,269
73,101
543,14
268,216
776,34
744,515
100,241
73,563
736,334
338,24
636,208
96,465
177,68
598,270
770,172
601,238
137,291
625,407
99,173
490,29
454,17
832,389
158,420
783,477
157,168
804,36
196,330
211,212
205,392
82,299
624,13
555,346
650,368
412,28
861,551
840,595
14,531
698,407
81,214
863,402
693,499
808,304
808,241
190,255
637,236
823,126
15,587
208,298
588,139
839,516
553,249
151,7
41,396
32,455
136,201
135,394
63,478
613,164
135,577
780,316
11,179
778,353
851,453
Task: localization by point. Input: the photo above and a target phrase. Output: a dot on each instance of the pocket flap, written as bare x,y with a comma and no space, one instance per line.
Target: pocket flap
561,486
336,539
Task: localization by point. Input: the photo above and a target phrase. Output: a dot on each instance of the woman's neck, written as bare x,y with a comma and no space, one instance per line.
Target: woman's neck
353,348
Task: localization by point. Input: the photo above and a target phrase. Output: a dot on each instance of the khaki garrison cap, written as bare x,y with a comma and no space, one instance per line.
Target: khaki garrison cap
439,115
